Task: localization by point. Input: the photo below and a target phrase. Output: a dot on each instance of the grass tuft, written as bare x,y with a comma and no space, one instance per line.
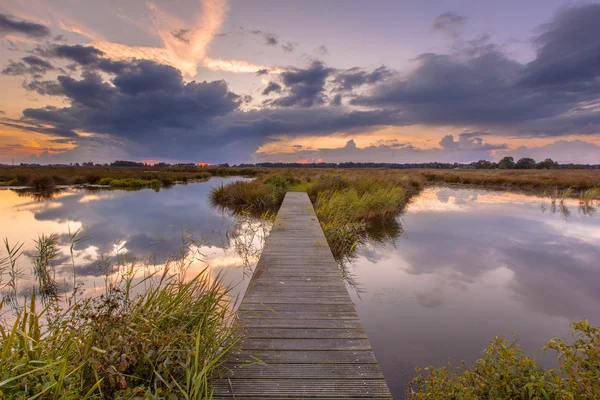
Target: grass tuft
149,335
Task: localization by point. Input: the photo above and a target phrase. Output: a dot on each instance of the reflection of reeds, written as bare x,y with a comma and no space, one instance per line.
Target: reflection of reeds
9,266
152,335
47,249
352,208
587,201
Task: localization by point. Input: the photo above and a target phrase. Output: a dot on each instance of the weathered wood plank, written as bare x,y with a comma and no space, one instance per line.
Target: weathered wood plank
277,299
306,357
297,314
301,323
297,307
305,344
301,336
344,388
307,371
305,333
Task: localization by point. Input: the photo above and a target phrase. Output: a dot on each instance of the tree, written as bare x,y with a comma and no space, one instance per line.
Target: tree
525,163
506,163
548,163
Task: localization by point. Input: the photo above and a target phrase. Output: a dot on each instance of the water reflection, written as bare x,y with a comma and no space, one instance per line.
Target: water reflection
143,225
472,263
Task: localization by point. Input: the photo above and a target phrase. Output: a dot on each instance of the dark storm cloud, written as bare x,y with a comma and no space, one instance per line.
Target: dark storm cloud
354,77
485,89
8,25
144,98
30,65
151,108
568,49
304,87
272,87
155,113
87,57
262,72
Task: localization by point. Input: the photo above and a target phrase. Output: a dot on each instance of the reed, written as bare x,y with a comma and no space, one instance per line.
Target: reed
149,335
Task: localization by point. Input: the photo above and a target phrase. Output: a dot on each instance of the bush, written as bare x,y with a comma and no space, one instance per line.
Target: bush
105,181
505,372
42,182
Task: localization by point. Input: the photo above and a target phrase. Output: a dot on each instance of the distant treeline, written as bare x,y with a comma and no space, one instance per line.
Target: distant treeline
505,163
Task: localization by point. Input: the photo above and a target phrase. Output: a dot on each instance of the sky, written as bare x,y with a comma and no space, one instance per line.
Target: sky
299,81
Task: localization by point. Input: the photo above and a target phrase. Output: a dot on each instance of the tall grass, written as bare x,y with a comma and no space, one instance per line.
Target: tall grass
348,204
149,335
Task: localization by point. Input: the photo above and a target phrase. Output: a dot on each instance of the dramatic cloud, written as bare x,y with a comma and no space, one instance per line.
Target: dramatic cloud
153,112
10,26
568,50
271,87
144,101
355,77
487,90
304,87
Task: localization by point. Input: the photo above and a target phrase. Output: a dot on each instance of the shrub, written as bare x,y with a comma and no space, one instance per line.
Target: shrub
505,372
105,181
42,182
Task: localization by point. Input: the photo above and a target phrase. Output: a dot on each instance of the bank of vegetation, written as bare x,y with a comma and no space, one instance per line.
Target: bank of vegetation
150,335
351,207
47,177
505,372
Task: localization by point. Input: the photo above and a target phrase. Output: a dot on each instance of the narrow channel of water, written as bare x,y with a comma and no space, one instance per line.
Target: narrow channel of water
472,263
125,225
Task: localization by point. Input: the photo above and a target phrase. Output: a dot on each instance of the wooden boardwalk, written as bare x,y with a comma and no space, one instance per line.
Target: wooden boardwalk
300,322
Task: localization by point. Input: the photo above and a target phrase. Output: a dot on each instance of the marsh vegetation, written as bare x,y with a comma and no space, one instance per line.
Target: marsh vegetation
121,345
154,332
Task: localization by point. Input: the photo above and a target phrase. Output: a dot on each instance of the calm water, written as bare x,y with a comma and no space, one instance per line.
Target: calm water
144,225
472,263
469,263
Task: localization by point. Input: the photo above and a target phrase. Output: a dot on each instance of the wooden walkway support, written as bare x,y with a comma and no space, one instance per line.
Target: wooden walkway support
300,322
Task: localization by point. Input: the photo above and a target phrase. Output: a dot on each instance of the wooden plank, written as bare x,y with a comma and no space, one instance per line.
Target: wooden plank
306,333
305,344
310,371
277,299
301,323
297,314
306,357
301,336
343,388
262,295
296,307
